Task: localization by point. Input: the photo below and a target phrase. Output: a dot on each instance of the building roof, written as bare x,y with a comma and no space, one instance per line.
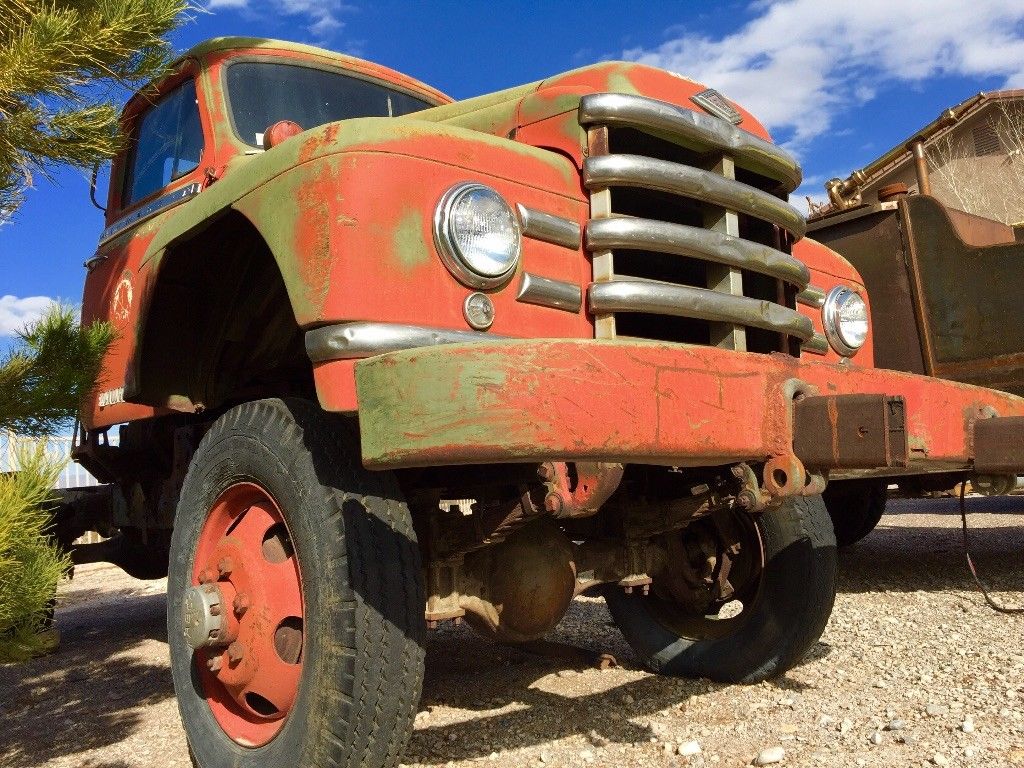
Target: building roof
900,154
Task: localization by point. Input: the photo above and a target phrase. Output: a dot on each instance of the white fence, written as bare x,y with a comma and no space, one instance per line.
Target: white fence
59,447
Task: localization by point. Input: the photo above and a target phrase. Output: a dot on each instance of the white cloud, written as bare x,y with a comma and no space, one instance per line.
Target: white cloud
799,63
16,313
321,16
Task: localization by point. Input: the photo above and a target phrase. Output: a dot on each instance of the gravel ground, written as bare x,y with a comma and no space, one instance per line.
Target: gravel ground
913,670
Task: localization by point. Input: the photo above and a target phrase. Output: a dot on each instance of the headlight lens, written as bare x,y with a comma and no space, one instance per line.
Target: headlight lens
477,235
845,317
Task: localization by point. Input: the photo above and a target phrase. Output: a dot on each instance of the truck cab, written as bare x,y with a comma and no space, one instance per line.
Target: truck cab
387,360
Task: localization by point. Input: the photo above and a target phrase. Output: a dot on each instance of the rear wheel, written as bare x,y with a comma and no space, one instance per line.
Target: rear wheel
855,507
739,600
295,596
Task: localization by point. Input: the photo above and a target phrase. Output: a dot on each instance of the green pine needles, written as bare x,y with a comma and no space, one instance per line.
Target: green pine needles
61,65
30,566
42,383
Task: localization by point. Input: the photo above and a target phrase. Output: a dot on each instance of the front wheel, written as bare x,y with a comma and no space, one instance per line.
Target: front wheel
295,597
755,621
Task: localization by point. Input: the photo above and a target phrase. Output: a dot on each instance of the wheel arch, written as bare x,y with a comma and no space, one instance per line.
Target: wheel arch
219,321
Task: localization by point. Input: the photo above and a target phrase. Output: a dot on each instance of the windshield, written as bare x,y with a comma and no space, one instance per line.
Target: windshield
261,93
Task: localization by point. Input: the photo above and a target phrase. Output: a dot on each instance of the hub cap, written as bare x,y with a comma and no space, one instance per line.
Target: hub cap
243,615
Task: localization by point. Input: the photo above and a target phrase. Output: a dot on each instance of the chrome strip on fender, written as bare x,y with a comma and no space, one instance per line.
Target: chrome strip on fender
812,296
151,209
707,131
816,345
549,228
545,292
701,185
683,240
348,341
625,295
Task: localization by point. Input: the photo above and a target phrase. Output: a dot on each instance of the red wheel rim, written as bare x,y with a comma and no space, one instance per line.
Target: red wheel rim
252,681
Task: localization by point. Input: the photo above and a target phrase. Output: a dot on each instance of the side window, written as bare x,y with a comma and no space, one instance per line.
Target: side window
168,144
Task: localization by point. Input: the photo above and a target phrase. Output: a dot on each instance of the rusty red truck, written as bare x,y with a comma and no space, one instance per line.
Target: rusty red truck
387,360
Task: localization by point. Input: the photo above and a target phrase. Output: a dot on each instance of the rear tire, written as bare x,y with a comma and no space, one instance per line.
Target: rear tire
362,631
784,618
855,507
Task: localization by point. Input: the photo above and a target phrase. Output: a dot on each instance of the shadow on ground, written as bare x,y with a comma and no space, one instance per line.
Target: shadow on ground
84,695
899,557
88,694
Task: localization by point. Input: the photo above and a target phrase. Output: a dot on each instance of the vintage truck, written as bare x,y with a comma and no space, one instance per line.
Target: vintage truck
944,284
387,360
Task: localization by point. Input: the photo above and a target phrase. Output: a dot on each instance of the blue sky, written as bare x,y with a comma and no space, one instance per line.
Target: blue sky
836,82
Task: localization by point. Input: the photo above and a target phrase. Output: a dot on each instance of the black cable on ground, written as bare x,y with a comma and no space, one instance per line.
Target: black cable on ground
970,563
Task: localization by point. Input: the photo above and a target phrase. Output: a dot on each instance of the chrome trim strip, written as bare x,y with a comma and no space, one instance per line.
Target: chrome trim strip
704,186
816,345
545,292
348,341
683,240
150,209
812,296
707,131
701,303
548,227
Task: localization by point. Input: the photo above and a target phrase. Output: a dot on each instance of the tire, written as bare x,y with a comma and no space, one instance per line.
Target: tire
855,507
350,539
786,614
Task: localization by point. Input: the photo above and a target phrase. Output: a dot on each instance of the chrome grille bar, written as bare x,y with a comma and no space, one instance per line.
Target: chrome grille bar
620,170
683,240
624,295
704,131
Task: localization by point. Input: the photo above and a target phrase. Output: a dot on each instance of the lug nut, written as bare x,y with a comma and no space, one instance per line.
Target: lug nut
241,603
214,664
207,576
225,566
553,502
235,652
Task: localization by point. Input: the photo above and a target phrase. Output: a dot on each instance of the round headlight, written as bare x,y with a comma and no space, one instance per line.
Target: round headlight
477,235
845,317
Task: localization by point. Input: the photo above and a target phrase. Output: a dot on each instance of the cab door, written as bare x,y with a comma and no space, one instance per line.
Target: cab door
162,168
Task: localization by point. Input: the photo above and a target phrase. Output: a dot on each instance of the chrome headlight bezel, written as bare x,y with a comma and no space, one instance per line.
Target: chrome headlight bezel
840,342
458,263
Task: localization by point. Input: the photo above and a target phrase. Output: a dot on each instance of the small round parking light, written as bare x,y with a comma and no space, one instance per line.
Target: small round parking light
478,310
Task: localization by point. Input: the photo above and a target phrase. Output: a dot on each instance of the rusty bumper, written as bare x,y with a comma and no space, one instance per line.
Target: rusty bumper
644,402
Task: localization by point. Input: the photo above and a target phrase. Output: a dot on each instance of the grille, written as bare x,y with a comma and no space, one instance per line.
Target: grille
690,234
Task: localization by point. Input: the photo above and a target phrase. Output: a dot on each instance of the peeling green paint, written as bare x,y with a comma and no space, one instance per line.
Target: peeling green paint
618,81
408,245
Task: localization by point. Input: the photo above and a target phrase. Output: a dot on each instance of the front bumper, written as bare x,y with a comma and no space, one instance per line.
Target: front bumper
642,402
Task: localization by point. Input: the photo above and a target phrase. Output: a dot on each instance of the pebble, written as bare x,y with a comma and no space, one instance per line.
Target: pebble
770,756
940,759
875,738
967,726
896,725
846,726
586,756
689,748
598,740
